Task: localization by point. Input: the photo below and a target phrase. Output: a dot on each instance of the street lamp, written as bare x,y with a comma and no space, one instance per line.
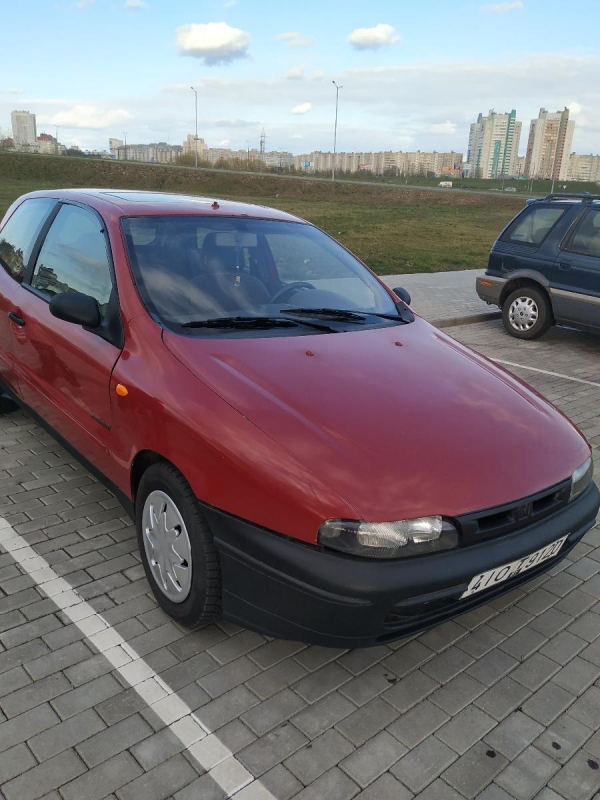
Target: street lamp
125,135
56,138
337,95
196,137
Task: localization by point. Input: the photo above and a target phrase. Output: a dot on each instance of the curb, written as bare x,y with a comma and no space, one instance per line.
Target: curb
450,322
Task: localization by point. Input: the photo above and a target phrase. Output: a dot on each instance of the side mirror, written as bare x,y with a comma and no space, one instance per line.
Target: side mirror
82,309
402,294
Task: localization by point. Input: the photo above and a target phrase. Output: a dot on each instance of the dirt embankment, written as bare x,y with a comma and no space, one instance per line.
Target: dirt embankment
60,171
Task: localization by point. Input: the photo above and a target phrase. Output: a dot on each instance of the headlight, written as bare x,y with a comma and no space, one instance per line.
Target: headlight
406,537
581,478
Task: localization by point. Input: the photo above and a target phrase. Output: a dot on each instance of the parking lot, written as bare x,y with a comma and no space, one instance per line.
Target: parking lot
101,694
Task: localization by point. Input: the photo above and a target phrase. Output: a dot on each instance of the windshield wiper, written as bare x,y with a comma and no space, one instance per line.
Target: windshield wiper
403,315
255,323
331,313
261,323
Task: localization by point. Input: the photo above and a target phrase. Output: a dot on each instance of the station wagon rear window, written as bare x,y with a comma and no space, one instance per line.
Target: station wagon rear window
534,224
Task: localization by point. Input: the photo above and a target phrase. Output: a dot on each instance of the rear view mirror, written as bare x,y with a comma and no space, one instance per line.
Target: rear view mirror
402,294
81,309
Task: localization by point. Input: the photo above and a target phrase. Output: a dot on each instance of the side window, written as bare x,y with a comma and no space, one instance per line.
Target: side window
534,224
587,236
20,233
73,258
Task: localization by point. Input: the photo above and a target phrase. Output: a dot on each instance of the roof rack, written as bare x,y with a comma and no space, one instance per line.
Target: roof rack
570,196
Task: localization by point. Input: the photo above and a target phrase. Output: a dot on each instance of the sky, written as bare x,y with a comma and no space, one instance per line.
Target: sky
414,74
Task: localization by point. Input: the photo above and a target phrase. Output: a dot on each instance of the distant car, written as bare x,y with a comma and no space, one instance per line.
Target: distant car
299,451
544,268
510,189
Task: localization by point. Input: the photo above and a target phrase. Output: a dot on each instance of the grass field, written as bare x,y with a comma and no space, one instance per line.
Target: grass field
392,229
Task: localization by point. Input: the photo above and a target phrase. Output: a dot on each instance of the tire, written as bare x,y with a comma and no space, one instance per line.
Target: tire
527,313
188,588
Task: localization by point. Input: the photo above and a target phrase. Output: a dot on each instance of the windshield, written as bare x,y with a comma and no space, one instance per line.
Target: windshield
190,269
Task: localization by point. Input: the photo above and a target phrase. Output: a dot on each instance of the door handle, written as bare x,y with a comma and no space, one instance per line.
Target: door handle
14,317
564,265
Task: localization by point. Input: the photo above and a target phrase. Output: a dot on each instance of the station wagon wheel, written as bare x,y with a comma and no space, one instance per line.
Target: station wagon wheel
527,313
176,546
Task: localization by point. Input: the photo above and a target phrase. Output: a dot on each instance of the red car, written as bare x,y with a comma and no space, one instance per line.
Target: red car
300,452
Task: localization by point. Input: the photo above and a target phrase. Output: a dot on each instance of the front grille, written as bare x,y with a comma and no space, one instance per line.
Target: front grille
500,520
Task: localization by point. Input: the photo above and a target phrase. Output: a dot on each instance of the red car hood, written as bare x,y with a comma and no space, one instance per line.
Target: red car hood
400,421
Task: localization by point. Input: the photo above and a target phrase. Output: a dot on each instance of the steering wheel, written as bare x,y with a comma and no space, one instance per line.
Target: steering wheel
284,294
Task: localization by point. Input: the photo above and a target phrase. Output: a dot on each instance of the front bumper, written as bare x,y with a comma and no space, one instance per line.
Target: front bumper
283,588
489,288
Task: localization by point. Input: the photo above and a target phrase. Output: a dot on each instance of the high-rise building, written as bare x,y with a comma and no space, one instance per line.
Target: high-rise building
549,145
24,129
494,145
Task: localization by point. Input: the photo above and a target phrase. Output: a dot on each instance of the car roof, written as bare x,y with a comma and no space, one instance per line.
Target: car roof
136,203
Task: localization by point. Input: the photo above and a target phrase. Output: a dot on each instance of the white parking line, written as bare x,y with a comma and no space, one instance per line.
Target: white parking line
204,747
546,372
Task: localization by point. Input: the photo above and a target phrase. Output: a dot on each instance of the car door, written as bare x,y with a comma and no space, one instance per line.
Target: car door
17,240
576,296
64,369
529,242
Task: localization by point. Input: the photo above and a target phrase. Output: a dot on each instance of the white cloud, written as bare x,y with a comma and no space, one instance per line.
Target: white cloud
92,117
574,109
214,42
442,128
370,38
296,73
137,4
503,8
302,108
296,39
84,3
12,91
229,4
224,143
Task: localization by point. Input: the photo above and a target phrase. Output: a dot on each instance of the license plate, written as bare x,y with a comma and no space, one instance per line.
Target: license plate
493,577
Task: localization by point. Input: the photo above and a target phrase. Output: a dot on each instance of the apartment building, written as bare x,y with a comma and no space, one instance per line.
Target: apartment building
24,130
584,168
193,144
494,145
113,146
49,145
383,163
549,145
155,153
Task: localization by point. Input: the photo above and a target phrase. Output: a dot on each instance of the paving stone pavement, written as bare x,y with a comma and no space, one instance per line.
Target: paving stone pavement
502,703
445,298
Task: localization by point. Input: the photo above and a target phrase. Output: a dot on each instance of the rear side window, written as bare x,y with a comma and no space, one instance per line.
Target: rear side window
534,224
74,258
20,233
586,239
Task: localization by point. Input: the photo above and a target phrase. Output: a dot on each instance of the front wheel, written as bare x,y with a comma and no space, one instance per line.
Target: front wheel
176,545
527,313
